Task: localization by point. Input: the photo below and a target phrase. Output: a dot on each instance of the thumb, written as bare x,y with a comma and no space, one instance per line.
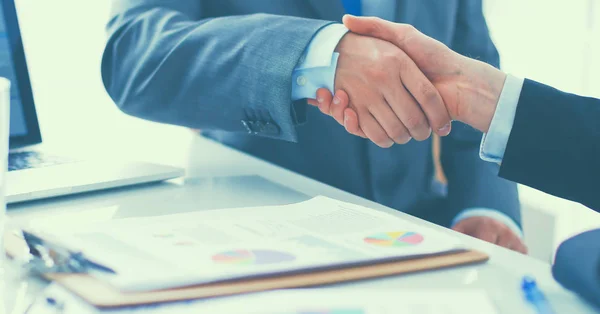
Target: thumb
378,28
461,227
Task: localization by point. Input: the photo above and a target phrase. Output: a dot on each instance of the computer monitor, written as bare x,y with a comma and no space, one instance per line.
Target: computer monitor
24,127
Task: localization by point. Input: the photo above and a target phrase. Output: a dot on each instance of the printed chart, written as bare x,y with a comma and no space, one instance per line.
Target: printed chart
252,257
395,239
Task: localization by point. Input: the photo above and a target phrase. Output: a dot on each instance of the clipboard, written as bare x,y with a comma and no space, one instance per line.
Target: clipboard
105,296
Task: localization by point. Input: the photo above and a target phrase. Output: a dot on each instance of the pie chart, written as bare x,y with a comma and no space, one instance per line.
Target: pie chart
252,257
395,239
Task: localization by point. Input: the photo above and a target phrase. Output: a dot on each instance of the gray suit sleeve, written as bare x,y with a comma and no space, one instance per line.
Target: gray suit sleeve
165,62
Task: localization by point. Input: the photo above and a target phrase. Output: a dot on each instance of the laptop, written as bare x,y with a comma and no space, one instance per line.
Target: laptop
32,173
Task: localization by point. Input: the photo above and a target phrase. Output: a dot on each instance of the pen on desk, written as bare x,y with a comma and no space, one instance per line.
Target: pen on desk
535,296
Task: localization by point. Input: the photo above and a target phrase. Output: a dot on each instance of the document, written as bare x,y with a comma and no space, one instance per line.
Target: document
305,301
202,247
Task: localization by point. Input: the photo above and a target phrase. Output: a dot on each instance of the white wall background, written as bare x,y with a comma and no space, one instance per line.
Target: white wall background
553,41
64,41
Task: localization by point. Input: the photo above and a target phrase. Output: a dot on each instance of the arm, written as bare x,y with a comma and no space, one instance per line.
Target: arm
166,61
473,183
577,265
554,144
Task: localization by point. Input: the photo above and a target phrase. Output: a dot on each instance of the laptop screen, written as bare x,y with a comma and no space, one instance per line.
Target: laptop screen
24,127
18,127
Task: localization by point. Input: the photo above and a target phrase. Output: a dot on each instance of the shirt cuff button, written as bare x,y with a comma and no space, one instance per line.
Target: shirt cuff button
301,80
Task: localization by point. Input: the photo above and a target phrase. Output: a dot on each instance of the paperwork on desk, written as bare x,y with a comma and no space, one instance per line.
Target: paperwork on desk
305,301
208,246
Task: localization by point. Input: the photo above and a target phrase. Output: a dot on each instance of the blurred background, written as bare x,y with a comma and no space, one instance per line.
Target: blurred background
554,41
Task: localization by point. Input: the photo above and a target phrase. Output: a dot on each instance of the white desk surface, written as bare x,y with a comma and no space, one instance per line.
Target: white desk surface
220,177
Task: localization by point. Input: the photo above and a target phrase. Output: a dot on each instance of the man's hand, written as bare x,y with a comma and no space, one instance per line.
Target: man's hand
492,231
392,98
470,88
338,103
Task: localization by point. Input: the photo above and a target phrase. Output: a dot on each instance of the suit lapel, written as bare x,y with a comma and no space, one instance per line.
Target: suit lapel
332,10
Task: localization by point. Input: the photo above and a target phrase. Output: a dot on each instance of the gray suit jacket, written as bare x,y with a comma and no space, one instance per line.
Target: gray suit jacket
225,66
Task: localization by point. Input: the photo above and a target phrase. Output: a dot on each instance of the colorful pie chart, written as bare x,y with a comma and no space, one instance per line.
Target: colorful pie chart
395,239
252,257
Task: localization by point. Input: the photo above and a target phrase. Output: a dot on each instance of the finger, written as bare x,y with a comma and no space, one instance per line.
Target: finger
511,241
460,228
487,235
351,123
390,123
378,28
520,247
426,95
406,108
415,81
339,104
507,239
324,99
312,102
373,130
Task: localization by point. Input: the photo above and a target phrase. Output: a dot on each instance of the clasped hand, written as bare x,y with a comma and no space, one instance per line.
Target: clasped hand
392,97
394,84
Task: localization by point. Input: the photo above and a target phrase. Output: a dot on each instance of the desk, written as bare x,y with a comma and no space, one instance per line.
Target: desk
66,75
220,177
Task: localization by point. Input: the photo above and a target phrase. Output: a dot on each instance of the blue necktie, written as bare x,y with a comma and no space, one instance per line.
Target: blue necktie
353,7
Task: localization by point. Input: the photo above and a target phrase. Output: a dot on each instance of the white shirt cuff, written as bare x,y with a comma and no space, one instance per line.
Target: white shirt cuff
321,47
318,65
493,143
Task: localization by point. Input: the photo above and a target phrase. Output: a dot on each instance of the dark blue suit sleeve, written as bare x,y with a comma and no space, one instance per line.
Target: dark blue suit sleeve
554,145
577,265
471,181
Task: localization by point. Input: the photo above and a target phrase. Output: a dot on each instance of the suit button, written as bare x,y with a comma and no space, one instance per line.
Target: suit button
271,129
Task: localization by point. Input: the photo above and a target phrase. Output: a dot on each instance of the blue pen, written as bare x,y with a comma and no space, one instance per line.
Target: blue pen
535,296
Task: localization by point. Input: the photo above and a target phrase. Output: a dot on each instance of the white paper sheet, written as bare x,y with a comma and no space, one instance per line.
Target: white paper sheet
308,301
192,248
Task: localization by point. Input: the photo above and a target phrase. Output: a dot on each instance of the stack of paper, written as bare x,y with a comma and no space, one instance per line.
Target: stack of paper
194,248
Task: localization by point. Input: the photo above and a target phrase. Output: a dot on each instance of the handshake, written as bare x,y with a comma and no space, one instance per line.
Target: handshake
394,84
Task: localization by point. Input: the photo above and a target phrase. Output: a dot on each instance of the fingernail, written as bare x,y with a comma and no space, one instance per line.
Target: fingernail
345,120
336,101
320,100
446,129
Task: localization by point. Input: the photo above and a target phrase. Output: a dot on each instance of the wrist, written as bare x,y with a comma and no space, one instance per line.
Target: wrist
482,87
